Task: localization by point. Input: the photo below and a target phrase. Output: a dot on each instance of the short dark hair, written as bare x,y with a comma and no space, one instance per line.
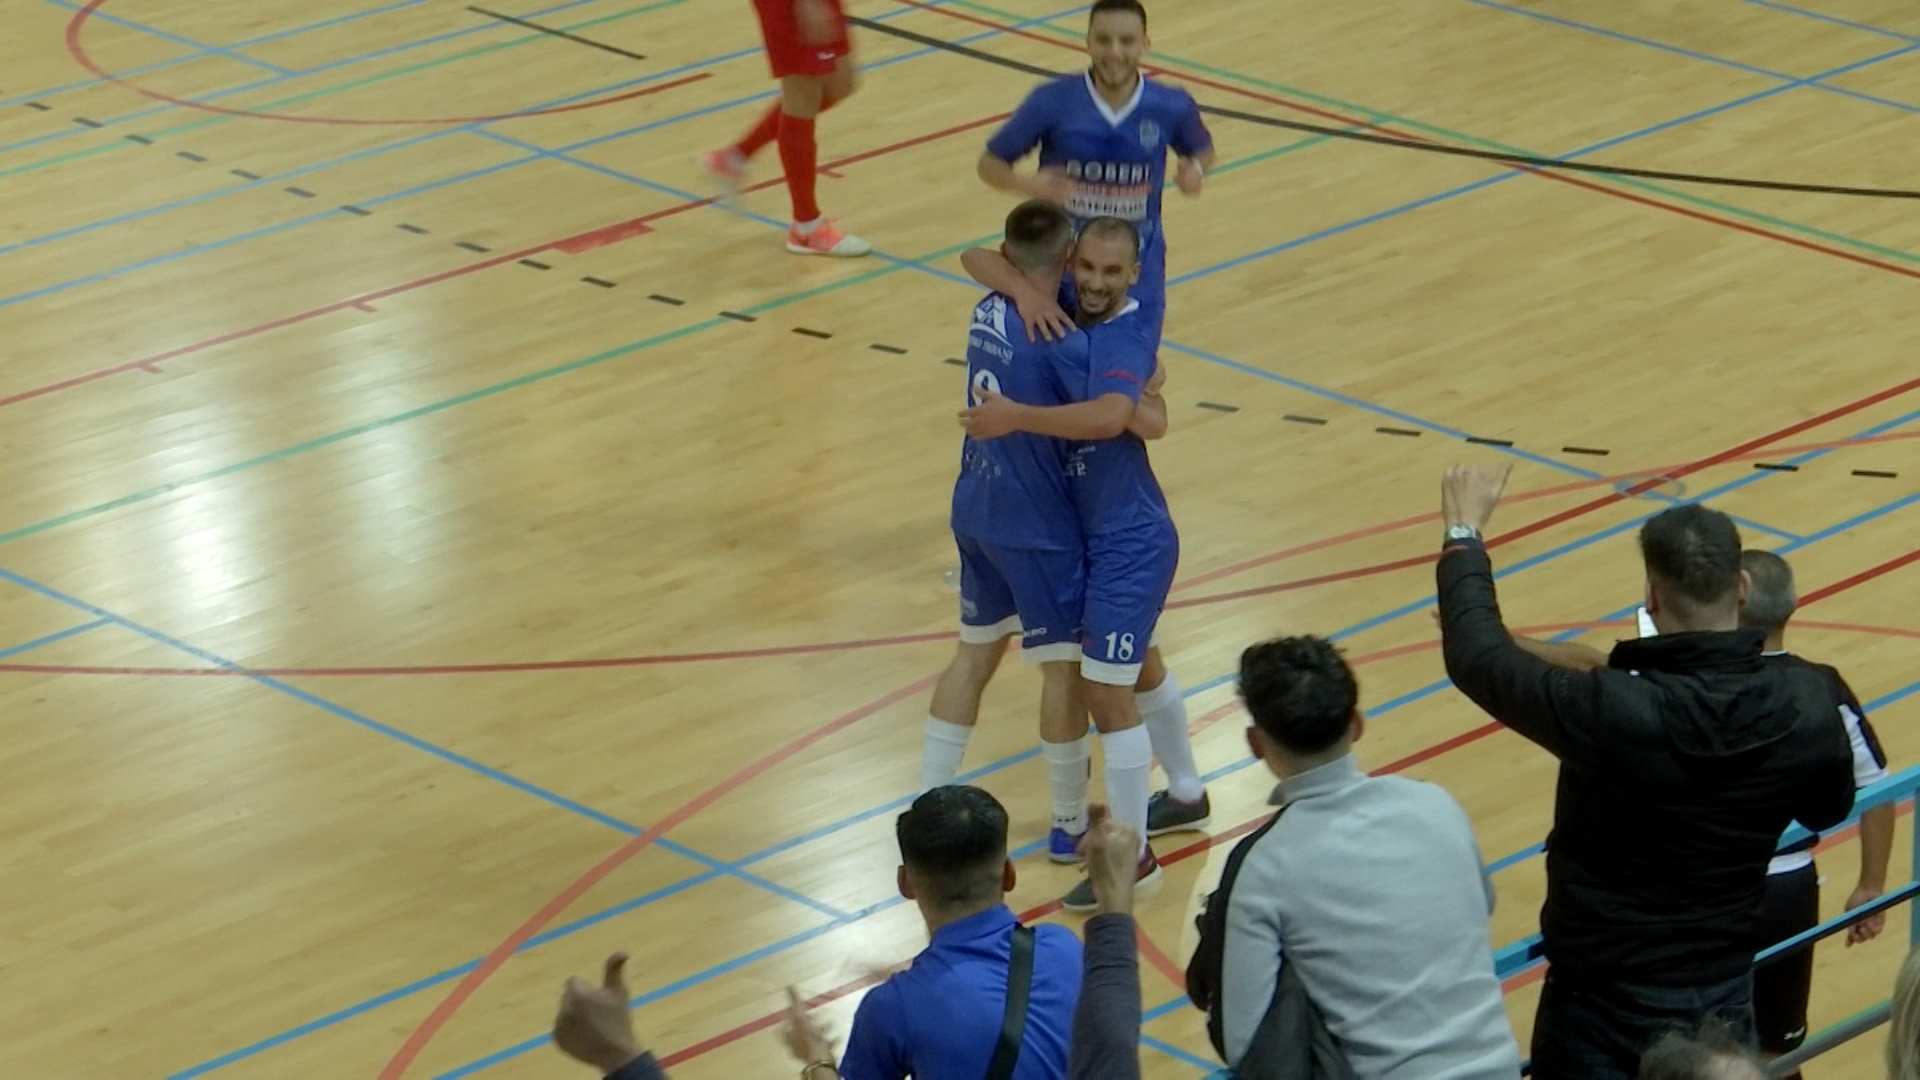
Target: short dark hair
1711,1053
1770,595
1693,549
953,840
1116,227
1300,692
1101,7
1039,234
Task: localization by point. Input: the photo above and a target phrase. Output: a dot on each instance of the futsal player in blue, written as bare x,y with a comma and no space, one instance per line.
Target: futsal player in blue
1103,136
1022,563
1132,547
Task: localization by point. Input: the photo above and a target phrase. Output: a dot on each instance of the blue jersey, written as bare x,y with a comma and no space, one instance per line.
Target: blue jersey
1012,491
1112,480
1116,158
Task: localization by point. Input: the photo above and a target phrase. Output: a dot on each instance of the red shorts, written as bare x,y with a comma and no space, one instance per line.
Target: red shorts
786,53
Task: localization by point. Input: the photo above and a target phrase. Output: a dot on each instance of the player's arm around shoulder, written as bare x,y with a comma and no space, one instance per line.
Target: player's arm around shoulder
1044,318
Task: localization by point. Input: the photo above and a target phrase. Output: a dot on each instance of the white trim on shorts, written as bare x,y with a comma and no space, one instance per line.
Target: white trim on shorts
1058,652
987,635
1109,674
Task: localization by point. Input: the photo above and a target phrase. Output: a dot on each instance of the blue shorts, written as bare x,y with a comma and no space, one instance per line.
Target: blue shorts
1036,594
1129,574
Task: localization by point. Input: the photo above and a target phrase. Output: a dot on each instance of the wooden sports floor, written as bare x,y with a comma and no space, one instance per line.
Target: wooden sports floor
438,549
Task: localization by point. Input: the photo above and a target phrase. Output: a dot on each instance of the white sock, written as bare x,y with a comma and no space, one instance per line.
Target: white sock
1067,775
806,227
941,748
1129,776
1163,711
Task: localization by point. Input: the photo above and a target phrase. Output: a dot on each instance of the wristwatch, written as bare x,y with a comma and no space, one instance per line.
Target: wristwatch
1460,533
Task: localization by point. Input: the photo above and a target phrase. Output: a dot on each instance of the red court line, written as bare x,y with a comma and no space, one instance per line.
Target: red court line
443,1012
1206,844
1161,962
596,237
654,659
78,51
1545,174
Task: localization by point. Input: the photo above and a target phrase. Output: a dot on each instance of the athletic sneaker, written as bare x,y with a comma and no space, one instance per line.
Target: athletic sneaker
1063,847
1166,814
825,239
726,170
1081,898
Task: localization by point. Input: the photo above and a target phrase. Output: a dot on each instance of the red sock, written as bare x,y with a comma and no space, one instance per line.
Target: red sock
797,154
763,133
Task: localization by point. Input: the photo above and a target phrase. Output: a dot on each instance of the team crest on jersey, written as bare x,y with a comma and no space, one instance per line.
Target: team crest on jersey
1149,134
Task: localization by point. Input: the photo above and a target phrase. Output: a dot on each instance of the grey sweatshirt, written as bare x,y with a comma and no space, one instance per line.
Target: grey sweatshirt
1372,887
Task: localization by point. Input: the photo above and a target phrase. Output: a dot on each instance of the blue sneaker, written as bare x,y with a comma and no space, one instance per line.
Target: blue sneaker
1064,847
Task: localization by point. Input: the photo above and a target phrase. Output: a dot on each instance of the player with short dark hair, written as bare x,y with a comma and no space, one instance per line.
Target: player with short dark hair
1103,137
1132,547
807,48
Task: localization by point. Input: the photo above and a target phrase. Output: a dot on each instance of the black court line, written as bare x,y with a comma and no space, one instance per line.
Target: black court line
1305,419
894,349
1489,442
88,123
1217,407
737,317
1407,432
471,246
955,361
821,334
1585,450
244,174
1525,161
141,139
602,282
37,107
358,211
1876,472
537,265
190,156
665,299
601,45
1775,468
414,229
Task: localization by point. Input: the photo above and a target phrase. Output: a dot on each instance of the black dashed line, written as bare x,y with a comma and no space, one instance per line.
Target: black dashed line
1489,442
414,229
1585,450
602,282
1406,432
190,156
665,299
141,139
471,246
302,192
1876,473
737,317
38,107
1305,419
821,334
1217,407
535,264
358,211
1770,467
244,174
894,349
88,123
955,361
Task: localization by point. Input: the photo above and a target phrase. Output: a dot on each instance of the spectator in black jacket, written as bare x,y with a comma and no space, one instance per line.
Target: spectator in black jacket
1681,761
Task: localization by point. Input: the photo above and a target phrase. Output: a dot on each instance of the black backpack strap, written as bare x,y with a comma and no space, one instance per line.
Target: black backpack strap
1013,1029
1204,970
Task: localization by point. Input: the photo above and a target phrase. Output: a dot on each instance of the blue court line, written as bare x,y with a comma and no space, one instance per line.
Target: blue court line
345,61
1736,103
444,754
169,36
1813,81
380,200
1172,1051
1836,20
175,61
563,155
61,635
1390,706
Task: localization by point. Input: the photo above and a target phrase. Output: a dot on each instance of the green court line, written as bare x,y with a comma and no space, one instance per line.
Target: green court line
552,372
1378,115
339,88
